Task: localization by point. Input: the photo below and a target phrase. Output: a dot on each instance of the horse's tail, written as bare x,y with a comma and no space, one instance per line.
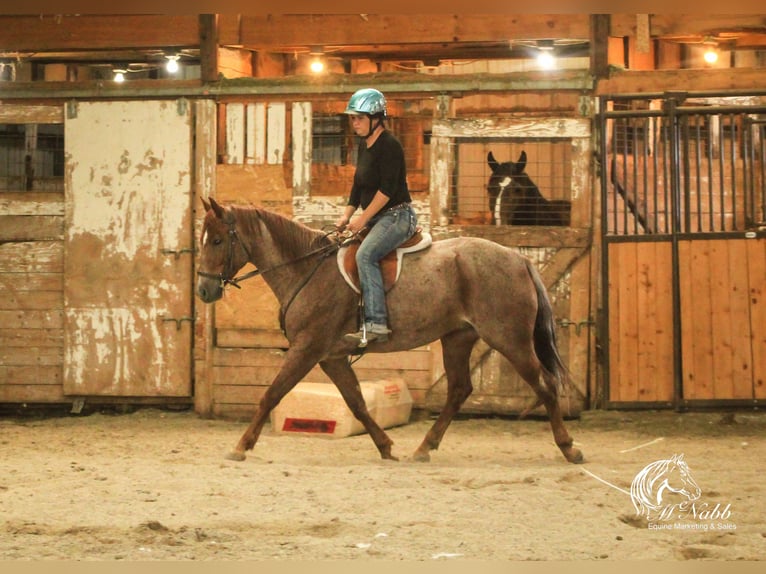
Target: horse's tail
545,332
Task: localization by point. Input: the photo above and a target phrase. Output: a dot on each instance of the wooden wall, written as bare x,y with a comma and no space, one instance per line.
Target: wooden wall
32,301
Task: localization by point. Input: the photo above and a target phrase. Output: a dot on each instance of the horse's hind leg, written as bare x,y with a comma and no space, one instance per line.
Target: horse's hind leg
341,373
456,353
544,387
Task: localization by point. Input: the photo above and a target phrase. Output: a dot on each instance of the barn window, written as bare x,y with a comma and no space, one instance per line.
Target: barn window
31,157
329,140
511,181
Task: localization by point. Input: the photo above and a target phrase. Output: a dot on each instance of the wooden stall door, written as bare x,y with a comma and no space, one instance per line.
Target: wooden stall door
128,264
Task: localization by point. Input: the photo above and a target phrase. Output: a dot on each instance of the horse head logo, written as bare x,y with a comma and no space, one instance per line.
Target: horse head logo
664,485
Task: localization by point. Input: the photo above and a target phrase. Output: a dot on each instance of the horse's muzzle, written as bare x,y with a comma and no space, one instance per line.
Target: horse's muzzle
209,289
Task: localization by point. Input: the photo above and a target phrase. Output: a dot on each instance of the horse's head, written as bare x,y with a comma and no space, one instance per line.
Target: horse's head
507,180
222,253
679,480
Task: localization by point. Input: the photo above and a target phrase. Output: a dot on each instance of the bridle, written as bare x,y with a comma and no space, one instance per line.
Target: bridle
226,276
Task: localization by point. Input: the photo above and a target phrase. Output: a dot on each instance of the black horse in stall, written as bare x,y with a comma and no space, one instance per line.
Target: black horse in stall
514,199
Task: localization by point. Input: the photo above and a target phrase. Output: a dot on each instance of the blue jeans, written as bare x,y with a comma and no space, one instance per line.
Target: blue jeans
388,230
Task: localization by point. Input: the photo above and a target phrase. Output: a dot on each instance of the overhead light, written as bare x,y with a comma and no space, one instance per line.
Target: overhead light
546,57
119,76
172,65
317,60
711,50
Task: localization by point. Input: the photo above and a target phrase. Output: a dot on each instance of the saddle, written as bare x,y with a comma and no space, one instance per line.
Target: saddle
390,265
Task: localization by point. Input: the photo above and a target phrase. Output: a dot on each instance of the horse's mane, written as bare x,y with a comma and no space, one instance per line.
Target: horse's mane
293,237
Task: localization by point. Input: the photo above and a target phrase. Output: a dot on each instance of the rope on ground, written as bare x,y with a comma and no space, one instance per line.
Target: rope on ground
586,471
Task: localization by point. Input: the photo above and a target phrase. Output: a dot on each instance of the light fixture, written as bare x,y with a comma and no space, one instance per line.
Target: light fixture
546,58
172,64
317,61
711,50
119,76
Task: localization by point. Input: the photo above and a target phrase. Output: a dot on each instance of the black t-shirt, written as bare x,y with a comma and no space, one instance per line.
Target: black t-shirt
380,167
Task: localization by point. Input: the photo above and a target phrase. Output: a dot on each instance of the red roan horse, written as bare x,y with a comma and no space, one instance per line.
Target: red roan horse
459,290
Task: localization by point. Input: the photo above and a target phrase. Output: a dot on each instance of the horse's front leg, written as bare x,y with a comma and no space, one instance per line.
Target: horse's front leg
341,373
297,364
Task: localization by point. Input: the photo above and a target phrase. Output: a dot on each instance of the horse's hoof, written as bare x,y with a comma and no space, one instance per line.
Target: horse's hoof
236,455
575,456
391,457
421,456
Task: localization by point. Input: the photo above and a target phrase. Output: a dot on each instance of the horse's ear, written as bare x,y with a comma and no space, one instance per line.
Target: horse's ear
216,208
492,162
205,204
522,163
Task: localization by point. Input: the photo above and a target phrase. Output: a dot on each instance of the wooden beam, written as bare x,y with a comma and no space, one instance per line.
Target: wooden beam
599,45
263,32
208,47
670,25
96,32
658,81
331,85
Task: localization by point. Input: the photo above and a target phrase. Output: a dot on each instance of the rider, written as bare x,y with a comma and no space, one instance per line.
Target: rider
380,189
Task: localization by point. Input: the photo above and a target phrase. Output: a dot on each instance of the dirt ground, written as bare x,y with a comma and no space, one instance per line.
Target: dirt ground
154,485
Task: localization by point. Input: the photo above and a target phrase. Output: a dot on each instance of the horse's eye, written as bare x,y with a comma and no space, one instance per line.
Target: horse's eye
217,241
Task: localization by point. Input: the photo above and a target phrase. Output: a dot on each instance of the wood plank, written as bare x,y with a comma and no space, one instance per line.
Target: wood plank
665,360
739,324
659,81
209,39
518,128
720,293
21,356
31,202
235,134
700,332
14,337
629,327
646,343
32,256
520,236
613,326
97,32
756,259
44,319
31,228
252,338
301,145
686,281
261,31
276,132
30,393
27,300
19,282
31,114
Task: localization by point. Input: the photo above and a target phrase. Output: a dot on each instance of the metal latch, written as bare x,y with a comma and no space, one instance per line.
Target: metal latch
178,252
578,325
178,320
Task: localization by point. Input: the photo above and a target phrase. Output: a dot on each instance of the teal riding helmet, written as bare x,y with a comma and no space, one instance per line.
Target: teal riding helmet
367,101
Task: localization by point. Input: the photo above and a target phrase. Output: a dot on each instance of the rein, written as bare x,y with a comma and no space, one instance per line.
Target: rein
325,251
235,281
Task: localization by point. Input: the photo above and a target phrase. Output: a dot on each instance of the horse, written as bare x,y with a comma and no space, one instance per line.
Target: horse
458,291
514,199
657,481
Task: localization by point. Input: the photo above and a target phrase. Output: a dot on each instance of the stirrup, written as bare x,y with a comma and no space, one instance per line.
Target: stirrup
364,336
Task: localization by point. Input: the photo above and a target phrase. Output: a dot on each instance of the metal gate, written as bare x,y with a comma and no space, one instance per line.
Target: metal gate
683,221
